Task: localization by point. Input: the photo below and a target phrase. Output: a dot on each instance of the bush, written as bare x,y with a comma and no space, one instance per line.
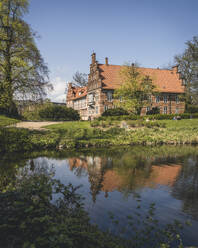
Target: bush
59,113
153,111
12,140
37,210
12,111
170,116
191,109
95,123
115,112
30,218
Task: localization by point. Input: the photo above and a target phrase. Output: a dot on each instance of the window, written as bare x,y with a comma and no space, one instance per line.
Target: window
157,99
147,109
91,98
165,110
120,99
109,96
176,111
105,107
176,99
96,109
96,97
149,98
165,98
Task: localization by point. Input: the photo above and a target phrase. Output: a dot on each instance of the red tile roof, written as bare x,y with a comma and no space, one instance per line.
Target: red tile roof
165,80
79,92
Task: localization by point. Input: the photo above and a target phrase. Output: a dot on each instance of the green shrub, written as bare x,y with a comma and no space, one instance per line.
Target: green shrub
114,131
30,218
31,112
170,116
59,113
133,123
115,112
153,111
37,210
10,111
135,117
95,123
191,108
13,140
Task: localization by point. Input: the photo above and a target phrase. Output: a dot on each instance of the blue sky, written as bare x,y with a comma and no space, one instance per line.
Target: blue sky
149,32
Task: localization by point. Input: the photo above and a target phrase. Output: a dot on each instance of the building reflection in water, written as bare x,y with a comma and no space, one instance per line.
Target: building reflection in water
107,175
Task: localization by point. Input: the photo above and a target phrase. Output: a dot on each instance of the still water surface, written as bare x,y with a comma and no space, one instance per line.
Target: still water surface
167,176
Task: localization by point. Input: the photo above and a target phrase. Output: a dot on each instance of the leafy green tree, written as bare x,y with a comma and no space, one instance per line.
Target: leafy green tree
135,91
188,67
23,73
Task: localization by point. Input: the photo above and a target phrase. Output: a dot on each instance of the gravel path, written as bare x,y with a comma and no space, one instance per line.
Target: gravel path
35,125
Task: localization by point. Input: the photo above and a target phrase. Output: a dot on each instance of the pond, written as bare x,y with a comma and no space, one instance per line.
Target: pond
112,179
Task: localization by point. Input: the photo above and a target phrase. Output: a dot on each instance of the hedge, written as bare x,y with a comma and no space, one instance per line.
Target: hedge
59,113
115,112
149,117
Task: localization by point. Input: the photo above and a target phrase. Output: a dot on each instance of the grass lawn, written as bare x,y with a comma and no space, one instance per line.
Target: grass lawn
69,125
173,132
172,125
6,121
83,134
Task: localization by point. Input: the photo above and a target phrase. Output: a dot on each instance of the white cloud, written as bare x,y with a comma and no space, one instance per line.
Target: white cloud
58,94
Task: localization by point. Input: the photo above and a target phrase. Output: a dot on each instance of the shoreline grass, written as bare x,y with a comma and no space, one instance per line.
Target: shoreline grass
82,134
6,121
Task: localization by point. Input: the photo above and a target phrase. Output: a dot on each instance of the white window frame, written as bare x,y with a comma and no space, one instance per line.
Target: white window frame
157,100
165,98
96,109
148,108
109,96
176,99
165,110
91,98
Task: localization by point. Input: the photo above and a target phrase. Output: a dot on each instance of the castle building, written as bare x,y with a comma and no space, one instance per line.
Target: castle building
91,101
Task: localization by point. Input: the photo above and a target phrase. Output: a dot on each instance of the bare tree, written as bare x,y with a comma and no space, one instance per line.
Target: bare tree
188,67
80,79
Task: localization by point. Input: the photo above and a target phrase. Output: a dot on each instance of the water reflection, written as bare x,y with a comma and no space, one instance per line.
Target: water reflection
166,175
185,187
108,174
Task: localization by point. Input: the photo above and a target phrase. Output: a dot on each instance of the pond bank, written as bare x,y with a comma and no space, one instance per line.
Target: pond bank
75,135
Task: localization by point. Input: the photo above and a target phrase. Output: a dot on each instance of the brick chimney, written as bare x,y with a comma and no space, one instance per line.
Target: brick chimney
106,61
93,58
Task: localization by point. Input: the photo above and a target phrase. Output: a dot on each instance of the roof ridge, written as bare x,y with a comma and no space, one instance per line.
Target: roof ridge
150,68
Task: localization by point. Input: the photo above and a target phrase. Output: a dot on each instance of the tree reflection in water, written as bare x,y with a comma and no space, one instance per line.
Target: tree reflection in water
127,174
185,187
125,170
